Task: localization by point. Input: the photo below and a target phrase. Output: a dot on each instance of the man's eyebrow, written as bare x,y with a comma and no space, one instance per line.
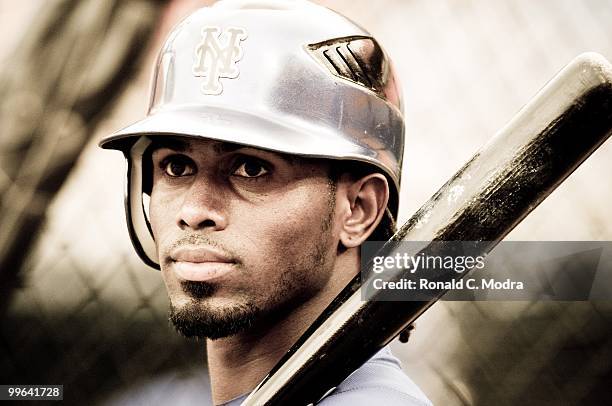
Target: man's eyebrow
226,147
219,148
182,146
170,143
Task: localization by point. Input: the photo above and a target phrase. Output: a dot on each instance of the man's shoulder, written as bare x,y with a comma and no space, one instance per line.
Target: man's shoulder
379,379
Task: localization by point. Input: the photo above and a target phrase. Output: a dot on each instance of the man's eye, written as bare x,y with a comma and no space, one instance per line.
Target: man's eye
177,166
250,169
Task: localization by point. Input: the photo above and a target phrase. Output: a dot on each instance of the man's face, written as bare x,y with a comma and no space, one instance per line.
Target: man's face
243,235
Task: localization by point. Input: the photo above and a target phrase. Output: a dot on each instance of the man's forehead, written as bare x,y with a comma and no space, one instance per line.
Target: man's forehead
194,144
191,144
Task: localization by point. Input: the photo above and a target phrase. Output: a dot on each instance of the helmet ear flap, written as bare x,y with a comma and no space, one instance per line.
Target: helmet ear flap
137,186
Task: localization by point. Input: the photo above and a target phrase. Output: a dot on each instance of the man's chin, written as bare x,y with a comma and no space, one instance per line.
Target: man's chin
198,319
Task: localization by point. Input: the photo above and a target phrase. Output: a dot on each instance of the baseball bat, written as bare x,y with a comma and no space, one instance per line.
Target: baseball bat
500,185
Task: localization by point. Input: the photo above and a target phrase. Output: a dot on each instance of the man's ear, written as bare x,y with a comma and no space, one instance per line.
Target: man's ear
366,200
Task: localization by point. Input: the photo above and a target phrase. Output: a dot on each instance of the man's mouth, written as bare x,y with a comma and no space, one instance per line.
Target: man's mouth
200,264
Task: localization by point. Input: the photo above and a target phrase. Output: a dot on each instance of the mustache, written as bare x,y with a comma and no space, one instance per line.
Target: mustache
196,240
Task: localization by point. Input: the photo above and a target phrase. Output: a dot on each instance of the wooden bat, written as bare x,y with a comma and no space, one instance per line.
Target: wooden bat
500,185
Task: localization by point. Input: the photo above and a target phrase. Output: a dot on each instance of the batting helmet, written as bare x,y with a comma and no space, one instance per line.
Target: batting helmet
282,75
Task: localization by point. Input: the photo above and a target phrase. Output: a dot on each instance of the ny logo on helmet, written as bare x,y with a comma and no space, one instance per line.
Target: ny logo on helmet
214,60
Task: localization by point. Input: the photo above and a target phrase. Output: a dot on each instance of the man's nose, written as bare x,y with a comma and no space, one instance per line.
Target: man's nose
203,207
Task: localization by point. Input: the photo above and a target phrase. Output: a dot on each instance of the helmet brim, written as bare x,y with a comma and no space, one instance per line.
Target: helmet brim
256,130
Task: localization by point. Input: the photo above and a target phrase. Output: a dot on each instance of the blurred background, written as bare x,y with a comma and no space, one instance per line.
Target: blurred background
78,307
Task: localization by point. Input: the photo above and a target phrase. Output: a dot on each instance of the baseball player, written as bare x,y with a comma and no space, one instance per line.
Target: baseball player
271,151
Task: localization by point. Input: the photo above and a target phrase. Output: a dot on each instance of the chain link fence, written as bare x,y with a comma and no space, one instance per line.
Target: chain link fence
87,314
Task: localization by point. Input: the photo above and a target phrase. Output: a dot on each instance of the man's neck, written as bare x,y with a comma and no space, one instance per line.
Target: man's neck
238,363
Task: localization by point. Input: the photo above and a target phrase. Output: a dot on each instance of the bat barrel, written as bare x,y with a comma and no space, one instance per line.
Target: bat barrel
500,185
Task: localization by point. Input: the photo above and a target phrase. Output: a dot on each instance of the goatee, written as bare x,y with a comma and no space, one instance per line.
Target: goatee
197,319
